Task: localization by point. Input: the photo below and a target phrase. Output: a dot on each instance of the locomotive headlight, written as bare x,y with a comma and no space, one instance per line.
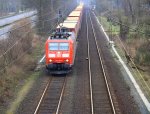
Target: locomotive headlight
51,55
65,55
50,60
67,60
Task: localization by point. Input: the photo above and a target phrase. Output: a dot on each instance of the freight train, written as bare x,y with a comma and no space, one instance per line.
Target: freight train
60,48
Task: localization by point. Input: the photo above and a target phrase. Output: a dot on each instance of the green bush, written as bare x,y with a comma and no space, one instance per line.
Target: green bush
143,54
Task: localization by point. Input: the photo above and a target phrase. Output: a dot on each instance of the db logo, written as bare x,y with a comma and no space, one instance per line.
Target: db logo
58,54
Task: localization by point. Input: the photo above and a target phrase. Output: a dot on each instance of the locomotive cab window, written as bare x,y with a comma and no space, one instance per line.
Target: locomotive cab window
59,46
64,46
53,46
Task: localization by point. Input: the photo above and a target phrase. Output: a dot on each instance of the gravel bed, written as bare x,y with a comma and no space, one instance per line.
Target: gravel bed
101,100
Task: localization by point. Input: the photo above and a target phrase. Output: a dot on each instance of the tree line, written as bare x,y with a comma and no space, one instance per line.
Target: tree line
133,19
128,12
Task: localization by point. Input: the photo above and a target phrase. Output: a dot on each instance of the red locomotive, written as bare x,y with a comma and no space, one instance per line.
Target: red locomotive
60,48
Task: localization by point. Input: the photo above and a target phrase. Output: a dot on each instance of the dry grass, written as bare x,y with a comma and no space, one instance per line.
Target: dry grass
22,93
23,59
138,46
132,45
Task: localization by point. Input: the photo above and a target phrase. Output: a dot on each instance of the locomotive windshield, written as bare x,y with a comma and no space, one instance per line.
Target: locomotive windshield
53,46
63,46
59,46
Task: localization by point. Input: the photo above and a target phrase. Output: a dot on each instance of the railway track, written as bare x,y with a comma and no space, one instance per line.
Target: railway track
87,90
100,94
51,98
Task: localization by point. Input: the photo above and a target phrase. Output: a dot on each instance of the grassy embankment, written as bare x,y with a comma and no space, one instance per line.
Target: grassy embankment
18,77
136,47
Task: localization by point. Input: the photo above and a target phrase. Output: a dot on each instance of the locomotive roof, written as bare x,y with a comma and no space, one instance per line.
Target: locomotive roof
61,36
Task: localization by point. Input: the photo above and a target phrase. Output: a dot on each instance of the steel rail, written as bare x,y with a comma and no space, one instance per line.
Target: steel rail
103,69
44,93
61,96
42,97
89,67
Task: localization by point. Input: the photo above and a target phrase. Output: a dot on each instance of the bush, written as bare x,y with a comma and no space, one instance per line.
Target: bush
143,54
18,43
16,64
